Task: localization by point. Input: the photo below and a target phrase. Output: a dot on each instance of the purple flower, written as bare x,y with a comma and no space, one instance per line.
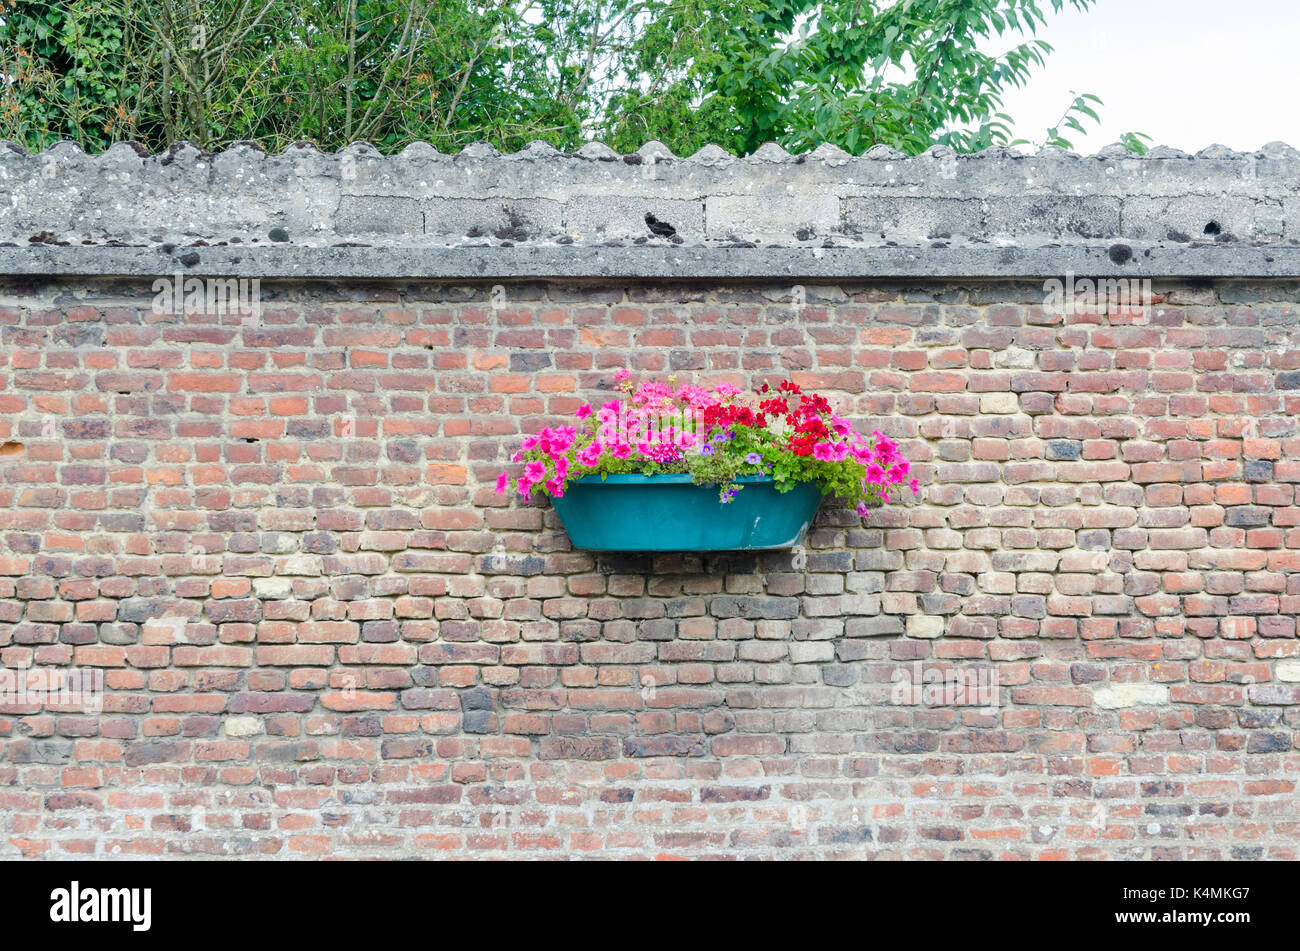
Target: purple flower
719,438
706,450
754,459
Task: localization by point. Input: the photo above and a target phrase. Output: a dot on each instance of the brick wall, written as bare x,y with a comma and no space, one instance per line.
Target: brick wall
379,658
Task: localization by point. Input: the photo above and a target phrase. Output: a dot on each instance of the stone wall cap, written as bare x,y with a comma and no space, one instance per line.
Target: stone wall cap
1215,213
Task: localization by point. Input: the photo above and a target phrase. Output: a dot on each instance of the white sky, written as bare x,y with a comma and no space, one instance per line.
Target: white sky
1189,73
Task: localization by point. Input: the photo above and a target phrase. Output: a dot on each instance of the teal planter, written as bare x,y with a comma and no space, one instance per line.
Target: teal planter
670,513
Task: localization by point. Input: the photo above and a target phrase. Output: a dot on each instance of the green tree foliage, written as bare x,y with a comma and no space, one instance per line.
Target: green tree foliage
907,73
65,72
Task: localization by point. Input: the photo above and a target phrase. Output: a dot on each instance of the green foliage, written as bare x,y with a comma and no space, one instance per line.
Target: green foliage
1136,142
906,73
856,73
68,66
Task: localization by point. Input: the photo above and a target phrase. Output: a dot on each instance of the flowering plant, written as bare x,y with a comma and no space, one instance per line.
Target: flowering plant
718,437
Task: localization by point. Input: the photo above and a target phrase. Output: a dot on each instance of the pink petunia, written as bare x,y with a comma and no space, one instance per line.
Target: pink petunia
503,483
590,455
551,441
653,396
915,486
535,471
660,452
583,411
607,430
621,376
824,451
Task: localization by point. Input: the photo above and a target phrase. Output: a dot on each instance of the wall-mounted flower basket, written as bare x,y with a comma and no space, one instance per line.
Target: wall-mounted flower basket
670,468
670,513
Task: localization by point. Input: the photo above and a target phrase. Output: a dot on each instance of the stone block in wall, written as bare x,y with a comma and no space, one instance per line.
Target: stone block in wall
504,218
1189,217
912,218
623,216
771,214
1053,216
379,214
1291,219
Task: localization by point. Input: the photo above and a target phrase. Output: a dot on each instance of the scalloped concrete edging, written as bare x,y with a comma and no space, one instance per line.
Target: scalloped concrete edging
594,213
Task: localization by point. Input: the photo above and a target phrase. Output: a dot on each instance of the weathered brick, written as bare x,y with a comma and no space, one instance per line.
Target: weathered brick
329,601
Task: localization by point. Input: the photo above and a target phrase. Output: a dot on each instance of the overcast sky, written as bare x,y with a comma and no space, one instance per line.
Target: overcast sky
1188,73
